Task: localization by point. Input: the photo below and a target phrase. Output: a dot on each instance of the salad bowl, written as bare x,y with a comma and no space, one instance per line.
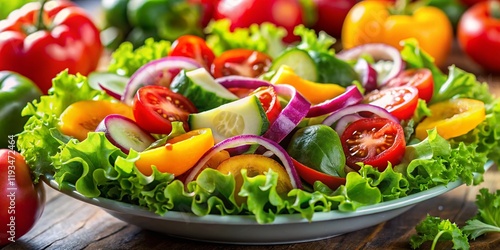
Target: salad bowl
244,229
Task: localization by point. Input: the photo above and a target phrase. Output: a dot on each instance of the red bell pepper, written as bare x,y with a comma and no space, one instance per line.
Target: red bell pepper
40,44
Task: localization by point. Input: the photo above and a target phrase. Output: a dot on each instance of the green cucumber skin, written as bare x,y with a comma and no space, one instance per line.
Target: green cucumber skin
298,58
202,99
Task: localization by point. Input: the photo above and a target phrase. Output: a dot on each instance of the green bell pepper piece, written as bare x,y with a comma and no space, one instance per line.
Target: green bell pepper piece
169,18
15,93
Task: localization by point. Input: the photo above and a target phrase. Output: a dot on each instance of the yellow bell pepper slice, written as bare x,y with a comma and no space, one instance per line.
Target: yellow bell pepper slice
314,92
452,118
373,22
82,117
179,154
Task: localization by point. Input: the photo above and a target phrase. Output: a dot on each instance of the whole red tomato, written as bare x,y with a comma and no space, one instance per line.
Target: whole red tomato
40,46
477,33
331,15
21,202
242,14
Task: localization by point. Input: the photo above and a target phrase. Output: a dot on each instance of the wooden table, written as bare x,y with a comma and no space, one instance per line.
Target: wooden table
71,224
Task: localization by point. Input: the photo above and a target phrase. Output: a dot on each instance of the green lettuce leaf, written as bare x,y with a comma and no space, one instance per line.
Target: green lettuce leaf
265,37
125,60
41,139
487,219
435,229
433,162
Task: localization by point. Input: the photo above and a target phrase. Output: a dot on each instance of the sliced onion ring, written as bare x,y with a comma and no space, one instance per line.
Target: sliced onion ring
241,140
351,96
160,72
246,82
378,51
290,116
344,121
358,109
367,74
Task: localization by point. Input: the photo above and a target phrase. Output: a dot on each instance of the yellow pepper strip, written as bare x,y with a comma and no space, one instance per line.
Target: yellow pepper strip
372,22
452,118
314,92
179,154
82,117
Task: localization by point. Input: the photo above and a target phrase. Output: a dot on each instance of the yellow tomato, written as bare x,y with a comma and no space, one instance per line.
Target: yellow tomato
82,117
452,118
254,165
179,154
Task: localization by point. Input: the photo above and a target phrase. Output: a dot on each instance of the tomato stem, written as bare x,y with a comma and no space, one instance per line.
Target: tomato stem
495,9
40,25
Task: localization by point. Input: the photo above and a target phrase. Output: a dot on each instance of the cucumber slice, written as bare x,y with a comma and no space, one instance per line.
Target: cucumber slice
243,116
200,87
112,83
300,61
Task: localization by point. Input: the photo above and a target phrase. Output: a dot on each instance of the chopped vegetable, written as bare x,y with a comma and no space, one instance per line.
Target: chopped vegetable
83,117
179,154
452,118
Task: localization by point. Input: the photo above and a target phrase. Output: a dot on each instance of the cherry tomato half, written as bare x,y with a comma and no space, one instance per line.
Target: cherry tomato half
373,141
400,101
311,175
269,100
156,107
193,47
418,78
243,62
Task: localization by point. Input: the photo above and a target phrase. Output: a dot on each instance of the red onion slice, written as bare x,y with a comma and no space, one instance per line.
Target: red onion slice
157,72
246,82
351,96
241,140
358,109
379,52
291,115
367,74
344,121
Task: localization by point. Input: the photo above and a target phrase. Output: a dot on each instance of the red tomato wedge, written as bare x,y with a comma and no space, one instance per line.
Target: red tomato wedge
418,78
269,100
400,101
156,107
243,62
373,141
311,175
193,47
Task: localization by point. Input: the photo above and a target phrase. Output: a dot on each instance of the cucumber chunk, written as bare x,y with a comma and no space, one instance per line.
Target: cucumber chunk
300,61
243,116
201,89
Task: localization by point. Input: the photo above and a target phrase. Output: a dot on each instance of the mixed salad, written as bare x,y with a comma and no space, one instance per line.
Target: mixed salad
241,123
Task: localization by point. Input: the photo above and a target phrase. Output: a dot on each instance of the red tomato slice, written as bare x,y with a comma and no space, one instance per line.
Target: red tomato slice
400,101
193,47
373,141
418,78
243,62
156,107
311,175
269,100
